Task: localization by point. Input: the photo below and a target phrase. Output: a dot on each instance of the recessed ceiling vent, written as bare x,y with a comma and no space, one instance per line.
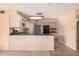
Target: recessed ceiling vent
2,11
38,13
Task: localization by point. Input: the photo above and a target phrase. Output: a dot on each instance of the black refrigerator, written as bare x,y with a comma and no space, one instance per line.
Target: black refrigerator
46,29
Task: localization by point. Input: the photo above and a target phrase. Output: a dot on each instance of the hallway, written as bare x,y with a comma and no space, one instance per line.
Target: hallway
62,50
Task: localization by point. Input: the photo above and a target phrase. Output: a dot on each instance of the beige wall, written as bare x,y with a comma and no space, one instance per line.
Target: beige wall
4,29
67,29
4,32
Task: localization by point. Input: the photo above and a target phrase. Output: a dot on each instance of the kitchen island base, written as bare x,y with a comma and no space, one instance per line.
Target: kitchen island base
31,42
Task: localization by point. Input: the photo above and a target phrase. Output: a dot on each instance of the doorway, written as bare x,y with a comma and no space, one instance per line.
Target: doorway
37,29
78,34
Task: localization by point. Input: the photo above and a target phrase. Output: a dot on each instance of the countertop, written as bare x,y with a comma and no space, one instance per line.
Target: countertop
33,34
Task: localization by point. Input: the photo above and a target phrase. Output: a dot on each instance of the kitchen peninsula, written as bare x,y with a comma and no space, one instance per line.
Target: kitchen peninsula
31,35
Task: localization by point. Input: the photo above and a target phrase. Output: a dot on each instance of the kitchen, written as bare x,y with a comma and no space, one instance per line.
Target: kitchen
32,32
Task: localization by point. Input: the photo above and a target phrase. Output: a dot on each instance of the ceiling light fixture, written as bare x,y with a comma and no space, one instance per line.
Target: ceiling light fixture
36,17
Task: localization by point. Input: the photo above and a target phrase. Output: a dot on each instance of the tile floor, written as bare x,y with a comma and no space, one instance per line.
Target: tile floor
60,50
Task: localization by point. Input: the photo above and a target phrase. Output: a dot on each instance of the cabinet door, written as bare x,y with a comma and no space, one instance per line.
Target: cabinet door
15,21
4,32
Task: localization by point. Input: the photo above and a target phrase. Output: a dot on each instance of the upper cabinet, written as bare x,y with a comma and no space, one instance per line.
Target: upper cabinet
15,21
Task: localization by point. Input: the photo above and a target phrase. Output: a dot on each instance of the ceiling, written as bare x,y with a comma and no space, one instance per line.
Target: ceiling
51,10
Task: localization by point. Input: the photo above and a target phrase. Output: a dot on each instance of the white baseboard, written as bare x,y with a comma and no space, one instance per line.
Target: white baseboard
26,49
71,47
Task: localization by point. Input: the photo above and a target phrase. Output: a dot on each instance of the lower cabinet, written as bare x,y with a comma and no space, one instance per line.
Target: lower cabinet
32,42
